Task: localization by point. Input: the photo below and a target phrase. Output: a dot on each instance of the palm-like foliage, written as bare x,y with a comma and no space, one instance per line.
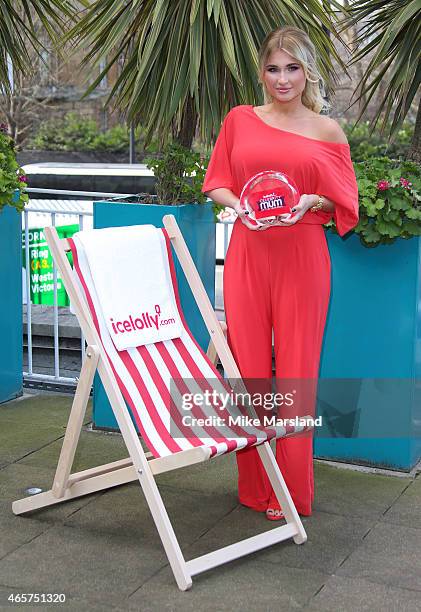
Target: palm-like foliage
192,58
18,30
391,31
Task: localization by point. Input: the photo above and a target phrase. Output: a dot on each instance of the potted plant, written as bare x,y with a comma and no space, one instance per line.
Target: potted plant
12,201
179,174
372,339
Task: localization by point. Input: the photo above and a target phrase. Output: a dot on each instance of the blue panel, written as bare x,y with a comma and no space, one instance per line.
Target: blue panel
198,228
373,331
389,453
416,414
371,317
11,304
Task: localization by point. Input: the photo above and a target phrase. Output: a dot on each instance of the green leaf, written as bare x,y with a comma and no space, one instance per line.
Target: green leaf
370,234
366,188
389,34
412,228
398,202
20,31
414,213
379,204
371,209
388,228
9,176
393,215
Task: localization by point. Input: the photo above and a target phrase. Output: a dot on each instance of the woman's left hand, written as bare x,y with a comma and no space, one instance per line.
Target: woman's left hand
305,203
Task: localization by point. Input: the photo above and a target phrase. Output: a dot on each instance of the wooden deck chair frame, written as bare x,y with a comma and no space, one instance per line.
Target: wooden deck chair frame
140,465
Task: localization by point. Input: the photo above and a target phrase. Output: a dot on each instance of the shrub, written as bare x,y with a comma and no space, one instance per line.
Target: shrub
76,133
12,178
365,145
115,139
73,133
179,174
390,200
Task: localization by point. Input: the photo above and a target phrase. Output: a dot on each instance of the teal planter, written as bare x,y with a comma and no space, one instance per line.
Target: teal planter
11,328
372,345
197,225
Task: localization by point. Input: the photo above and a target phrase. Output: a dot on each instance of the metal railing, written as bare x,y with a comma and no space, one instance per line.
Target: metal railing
88,194
52,210
44,212
41,213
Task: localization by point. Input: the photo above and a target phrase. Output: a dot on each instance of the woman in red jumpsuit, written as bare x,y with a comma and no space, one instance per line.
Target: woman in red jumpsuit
278,278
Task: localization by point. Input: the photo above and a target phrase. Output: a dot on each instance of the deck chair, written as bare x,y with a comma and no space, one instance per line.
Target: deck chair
141,378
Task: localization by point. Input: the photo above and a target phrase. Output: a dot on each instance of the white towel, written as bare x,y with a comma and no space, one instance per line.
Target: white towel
130,271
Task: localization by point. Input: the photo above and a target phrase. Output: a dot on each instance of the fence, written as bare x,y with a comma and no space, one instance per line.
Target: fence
68,215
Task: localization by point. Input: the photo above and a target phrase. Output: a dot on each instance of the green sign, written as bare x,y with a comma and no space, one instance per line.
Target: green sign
41,266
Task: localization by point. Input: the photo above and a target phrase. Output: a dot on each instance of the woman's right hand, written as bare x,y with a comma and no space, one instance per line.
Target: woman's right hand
226,197
244,217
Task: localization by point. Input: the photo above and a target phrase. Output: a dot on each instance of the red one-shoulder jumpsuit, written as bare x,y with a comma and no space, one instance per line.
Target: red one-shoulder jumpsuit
277,281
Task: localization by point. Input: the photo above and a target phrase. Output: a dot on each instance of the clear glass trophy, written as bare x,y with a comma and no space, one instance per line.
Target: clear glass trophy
267,196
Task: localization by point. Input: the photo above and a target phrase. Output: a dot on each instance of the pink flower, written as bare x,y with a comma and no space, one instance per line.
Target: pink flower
22,178
405,183
383,185
4,128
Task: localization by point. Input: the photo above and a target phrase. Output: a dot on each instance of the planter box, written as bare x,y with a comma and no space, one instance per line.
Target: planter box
11,329
197,225
373,339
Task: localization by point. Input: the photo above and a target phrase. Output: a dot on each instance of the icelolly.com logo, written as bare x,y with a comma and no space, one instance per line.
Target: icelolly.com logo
145,320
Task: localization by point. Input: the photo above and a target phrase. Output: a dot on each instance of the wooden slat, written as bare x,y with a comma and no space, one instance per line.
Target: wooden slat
78,489
65,244
281,491
99,470
74,426
239,549
211,353
109,475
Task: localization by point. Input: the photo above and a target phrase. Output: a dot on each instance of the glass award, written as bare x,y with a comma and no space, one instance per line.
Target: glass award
267,196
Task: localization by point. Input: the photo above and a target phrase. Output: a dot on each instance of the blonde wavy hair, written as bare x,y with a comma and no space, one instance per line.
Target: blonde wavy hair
297,43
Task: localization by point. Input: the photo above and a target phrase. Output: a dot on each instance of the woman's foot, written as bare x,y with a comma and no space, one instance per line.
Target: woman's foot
274,514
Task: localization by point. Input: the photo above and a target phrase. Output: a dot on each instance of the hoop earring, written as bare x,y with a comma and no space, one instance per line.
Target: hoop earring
313,80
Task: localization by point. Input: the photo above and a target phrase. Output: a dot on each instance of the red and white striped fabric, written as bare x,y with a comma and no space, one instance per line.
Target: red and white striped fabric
155,378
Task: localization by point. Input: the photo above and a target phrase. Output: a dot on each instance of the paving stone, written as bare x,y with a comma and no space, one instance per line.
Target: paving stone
125,509
353,493
350,594
16,530
94,448
77,604
244,584
216,476
93,566
20,436
72,603
331,538
337,491
18,442
16,478
41,407
406,510
5,604
390,554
